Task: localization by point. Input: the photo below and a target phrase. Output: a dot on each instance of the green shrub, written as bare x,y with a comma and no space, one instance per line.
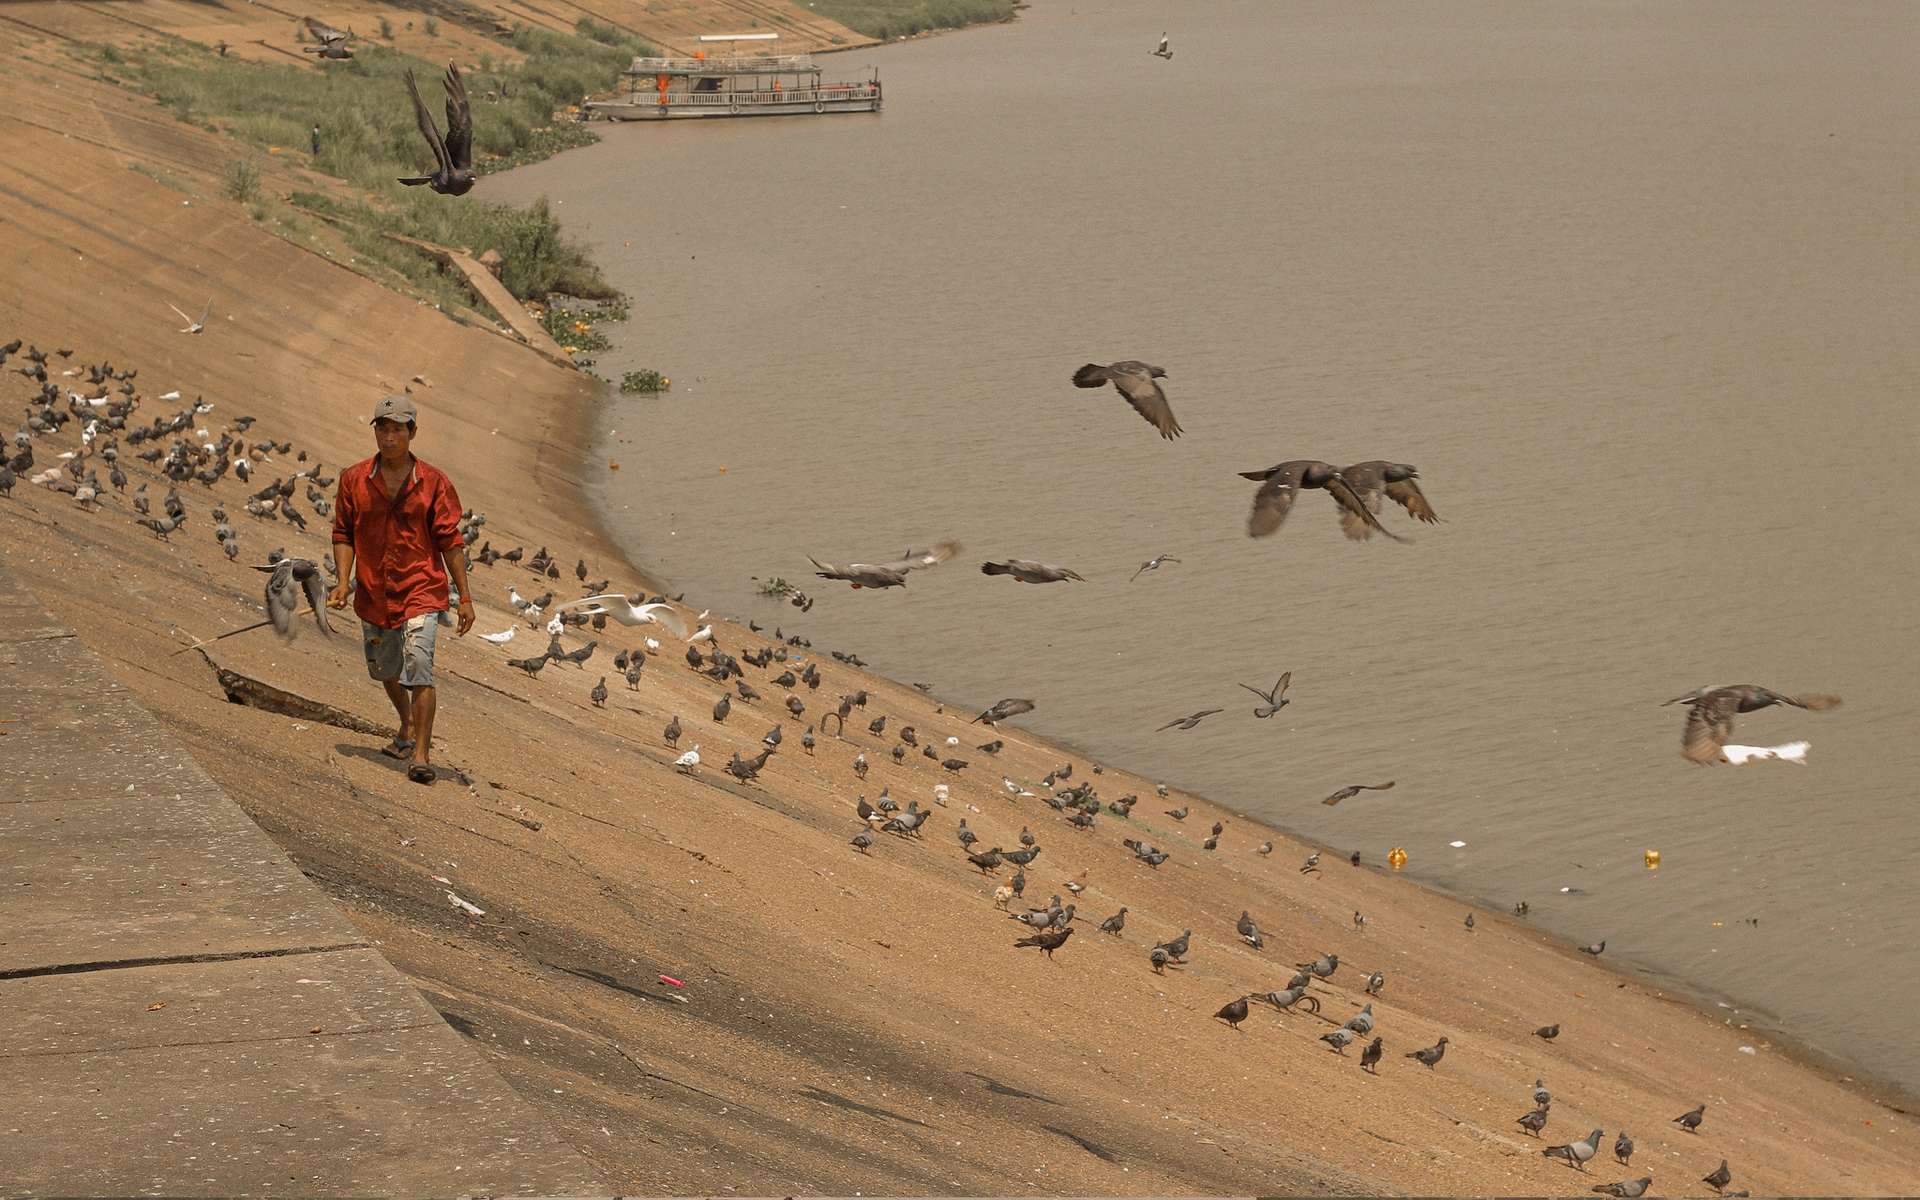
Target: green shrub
648,382
386,29
888,19
372,140
243,181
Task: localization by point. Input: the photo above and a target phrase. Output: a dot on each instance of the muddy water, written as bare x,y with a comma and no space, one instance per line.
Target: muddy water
1632,284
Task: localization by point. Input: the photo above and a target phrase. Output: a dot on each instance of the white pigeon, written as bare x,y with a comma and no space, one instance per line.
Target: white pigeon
625,611
501,638
520,603
688,761
653,646
556,626
194,326
940,794
705,635
1793,752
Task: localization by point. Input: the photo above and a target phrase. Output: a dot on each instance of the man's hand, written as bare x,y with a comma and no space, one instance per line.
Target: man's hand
466,616
337,598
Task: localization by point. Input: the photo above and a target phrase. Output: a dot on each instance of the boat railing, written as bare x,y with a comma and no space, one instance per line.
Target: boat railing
785,96
758,64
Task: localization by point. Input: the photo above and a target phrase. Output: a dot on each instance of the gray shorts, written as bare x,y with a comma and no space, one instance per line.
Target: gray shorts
403,655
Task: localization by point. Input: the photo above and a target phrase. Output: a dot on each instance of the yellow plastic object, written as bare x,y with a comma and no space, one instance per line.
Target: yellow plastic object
1398,857
1653,860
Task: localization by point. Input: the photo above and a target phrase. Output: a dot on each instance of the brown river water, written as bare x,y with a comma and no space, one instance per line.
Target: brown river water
1633,284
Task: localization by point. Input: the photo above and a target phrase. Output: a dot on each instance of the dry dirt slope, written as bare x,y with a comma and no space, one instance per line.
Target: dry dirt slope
850,1024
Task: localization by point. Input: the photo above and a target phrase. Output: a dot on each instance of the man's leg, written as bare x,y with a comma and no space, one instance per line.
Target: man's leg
417,677
386,656
423,706
402,704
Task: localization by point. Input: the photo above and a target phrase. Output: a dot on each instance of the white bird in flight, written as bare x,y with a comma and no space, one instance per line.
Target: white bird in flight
501,638
194,326
623,610
1793,752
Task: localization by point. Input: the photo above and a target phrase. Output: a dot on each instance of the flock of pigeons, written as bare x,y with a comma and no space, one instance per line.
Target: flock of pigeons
183,454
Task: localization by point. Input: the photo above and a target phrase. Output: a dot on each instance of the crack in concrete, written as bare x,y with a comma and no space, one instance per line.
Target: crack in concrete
164,960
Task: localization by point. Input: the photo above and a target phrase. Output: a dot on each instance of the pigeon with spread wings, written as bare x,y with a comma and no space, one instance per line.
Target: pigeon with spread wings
1006,708
453,154
889,574
1274,700
286,580
1028,571
1279,484
332,42
1354,789
1138,382
1398,482
1711,711
623,610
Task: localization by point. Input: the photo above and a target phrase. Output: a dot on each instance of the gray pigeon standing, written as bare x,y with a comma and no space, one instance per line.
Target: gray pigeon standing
1626,1189
1361,1022
1115,923
599,693
1623,1149
1720,1178
1370,1057
1577,1153
1375,982
1533,1122
721,709
1431,1056
1339,1039
1542,1098
672,734
1691,1121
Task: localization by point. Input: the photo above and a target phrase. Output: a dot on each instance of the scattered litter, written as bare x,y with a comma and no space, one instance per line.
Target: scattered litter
1748,1050
408,841
470,909
671,981
1398,857
1653,859
156,1007
439,879
1457,845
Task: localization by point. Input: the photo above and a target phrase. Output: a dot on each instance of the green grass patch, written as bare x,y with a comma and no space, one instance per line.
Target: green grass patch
575,325
368,138
644,382
904,18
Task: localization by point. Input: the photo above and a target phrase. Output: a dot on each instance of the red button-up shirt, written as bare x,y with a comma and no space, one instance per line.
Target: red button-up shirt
397,542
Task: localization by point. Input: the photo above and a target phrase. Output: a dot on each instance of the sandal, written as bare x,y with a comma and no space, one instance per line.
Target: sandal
399,747
421,773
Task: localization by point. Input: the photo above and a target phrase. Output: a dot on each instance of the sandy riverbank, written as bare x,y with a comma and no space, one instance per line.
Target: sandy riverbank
850,1023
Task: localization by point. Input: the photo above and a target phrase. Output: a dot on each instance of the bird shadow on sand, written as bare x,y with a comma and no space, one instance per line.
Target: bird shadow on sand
839,1101
1094,1148
1001,1089
608,981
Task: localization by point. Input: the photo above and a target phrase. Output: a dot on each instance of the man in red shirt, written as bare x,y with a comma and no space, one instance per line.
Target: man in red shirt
396,521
